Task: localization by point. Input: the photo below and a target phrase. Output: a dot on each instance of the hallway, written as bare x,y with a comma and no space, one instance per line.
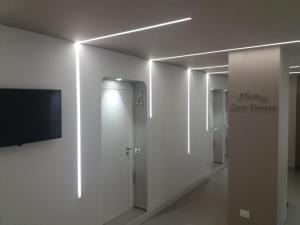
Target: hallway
207,204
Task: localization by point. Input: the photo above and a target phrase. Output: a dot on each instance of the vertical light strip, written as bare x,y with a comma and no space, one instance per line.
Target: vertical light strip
77,49
150,88
207,93
188,113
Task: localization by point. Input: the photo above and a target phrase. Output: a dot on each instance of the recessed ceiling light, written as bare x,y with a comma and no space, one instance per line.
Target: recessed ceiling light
137,30
119,79
226,50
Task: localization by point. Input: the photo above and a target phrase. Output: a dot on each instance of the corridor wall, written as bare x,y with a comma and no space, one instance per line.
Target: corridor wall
38,181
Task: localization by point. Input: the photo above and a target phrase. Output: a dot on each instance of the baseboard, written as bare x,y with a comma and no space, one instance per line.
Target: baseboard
149,214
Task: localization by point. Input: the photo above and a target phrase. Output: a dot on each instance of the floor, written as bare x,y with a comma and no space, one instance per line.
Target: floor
207,204
129,216
294,198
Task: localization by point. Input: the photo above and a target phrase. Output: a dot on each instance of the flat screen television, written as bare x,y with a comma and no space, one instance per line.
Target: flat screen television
29,115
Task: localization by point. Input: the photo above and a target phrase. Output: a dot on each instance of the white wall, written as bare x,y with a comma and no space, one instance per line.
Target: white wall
218,82
292,121
38,182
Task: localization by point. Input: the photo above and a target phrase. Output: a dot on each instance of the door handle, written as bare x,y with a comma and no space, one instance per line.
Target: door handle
137,151
128,149
214,129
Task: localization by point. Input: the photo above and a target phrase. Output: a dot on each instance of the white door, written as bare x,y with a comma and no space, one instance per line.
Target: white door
116,136
218,129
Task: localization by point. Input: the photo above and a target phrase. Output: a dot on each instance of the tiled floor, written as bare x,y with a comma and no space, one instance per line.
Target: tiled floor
207,205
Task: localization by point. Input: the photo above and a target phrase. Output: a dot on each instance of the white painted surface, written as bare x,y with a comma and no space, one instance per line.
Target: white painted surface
218,82
38,182
116,136
292,121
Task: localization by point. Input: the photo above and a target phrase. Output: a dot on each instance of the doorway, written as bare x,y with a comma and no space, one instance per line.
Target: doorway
219,105
123,149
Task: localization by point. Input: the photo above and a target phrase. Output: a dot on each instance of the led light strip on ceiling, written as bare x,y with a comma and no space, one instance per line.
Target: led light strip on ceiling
136,30
219,72
226,72
209,67
226,50
225,66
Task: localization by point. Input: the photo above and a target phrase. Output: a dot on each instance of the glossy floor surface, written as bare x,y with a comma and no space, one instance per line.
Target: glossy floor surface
207,204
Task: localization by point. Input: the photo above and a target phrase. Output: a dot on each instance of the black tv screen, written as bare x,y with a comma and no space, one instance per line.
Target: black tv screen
29,115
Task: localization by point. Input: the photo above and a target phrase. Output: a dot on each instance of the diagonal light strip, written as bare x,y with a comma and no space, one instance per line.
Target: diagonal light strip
226,50
136,30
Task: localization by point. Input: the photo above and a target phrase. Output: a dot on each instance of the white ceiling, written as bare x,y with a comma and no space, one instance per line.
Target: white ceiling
216,24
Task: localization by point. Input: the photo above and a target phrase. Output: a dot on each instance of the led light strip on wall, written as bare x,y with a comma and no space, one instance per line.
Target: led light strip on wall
188,113
78,103
150,88
207,93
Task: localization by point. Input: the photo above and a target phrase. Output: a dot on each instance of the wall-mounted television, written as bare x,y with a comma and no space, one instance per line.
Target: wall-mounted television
29,115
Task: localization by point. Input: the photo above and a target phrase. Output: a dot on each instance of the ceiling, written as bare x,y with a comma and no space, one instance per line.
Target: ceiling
216,24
